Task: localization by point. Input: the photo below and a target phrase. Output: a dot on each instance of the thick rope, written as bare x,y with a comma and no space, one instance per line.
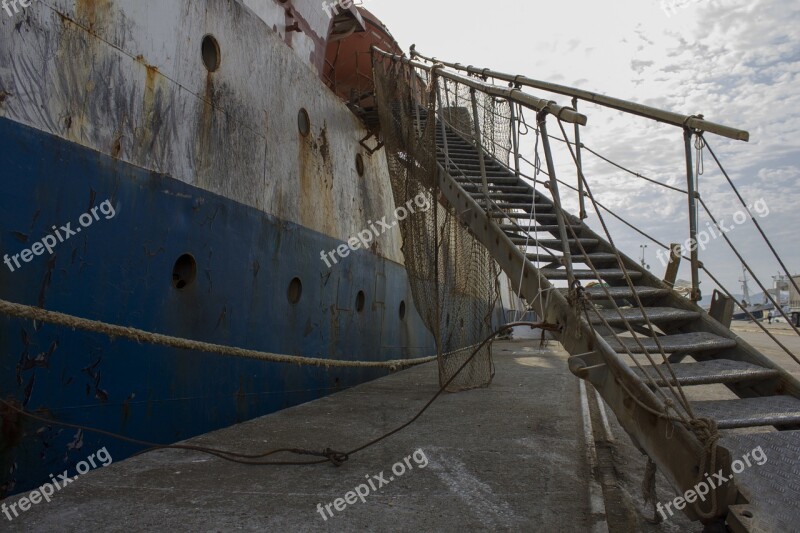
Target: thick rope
708,433
52,317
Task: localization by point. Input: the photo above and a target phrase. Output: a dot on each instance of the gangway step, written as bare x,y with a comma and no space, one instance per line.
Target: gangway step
683,342
709,372
540,227
555,243
599,293
657,315
750,412
595,258
552,273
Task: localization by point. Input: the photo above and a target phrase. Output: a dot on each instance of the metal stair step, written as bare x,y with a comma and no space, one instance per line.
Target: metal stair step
500,180
750,412
503,188
498,214
708,372
657,315
504,214
459,169
552,273
538,228
601,294
500,196
516,205
771,483
554,243
595,258
682,342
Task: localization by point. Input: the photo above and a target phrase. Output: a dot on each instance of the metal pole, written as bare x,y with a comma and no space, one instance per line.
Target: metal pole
566,114
581,198
687,137
633,108
441,123
515,137
479,146
415,96
541,119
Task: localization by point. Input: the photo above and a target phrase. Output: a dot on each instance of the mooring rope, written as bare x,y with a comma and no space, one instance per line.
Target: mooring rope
141,336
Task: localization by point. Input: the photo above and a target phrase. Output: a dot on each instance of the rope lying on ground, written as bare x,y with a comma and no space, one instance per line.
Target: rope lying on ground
141,336
328,455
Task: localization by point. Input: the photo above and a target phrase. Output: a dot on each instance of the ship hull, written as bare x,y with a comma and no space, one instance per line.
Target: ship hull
119,270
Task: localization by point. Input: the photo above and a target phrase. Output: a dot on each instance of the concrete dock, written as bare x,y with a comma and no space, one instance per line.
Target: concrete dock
513,457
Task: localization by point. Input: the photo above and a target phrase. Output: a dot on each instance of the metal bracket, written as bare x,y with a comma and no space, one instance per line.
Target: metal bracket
363,143
721,309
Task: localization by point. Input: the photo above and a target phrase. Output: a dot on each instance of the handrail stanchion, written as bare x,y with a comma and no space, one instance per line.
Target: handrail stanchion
479,146
515,137
693,248
579,164
541,119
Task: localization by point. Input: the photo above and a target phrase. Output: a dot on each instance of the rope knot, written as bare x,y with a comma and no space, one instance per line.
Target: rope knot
337,458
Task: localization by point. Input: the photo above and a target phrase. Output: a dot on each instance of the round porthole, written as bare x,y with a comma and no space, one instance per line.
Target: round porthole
360,165
303,122
184,272
295,291
211,53
360,301
402,310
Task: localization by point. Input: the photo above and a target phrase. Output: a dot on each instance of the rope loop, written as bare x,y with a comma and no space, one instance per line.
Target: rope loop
337,458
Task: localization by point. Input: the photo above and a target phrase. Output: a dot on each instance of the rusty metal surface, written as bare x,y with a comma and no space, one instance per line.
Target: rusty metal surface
113,77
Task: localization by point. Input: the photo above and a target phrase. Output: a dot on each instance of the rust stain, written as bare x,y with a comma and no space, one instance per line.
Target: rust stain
116,148
316,207
91,12
204,138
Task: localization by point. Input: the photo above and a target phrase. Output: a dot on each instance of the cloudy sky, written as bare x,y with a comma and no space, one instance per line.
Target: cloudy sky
735,61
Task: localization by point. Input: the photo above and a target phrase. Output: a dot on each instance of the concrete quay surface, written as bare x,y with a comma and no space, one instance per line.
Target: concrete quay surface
510,457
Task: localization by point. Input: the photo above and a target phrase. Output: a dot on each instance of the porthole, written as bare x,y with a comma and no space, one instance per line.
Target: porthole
295,291
303,122
360,165
211,53
184,272
360,301
402,311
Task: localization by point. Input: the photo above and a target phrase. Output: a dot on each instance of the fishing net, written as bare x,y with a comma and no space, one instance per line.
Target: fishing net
452,276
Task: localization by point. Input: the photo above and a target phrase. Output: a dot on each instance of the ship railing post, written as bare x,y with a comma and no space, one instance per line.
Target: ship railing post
579,164
692,190
515,138
541,119
440,106
479,147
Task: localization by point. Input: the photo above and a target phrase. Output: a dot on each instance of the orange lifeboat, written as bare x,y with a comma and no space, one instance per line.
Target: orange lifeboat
348,59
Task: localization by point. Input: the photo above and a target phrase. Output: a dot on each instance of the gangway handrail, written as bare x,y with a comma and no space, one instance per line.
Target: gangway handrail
695,122
566,114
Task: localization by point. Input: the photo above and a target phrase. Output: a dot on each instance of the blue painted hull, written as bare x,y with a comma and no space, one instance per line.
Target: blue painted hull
119,270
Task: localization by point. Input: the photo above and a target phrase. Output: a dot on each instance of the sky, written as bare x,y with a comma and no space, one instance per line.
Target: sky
736,62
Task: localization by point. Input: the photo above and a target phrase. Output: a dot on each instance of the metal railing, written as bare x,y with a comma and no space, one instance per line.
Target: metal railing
692,125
